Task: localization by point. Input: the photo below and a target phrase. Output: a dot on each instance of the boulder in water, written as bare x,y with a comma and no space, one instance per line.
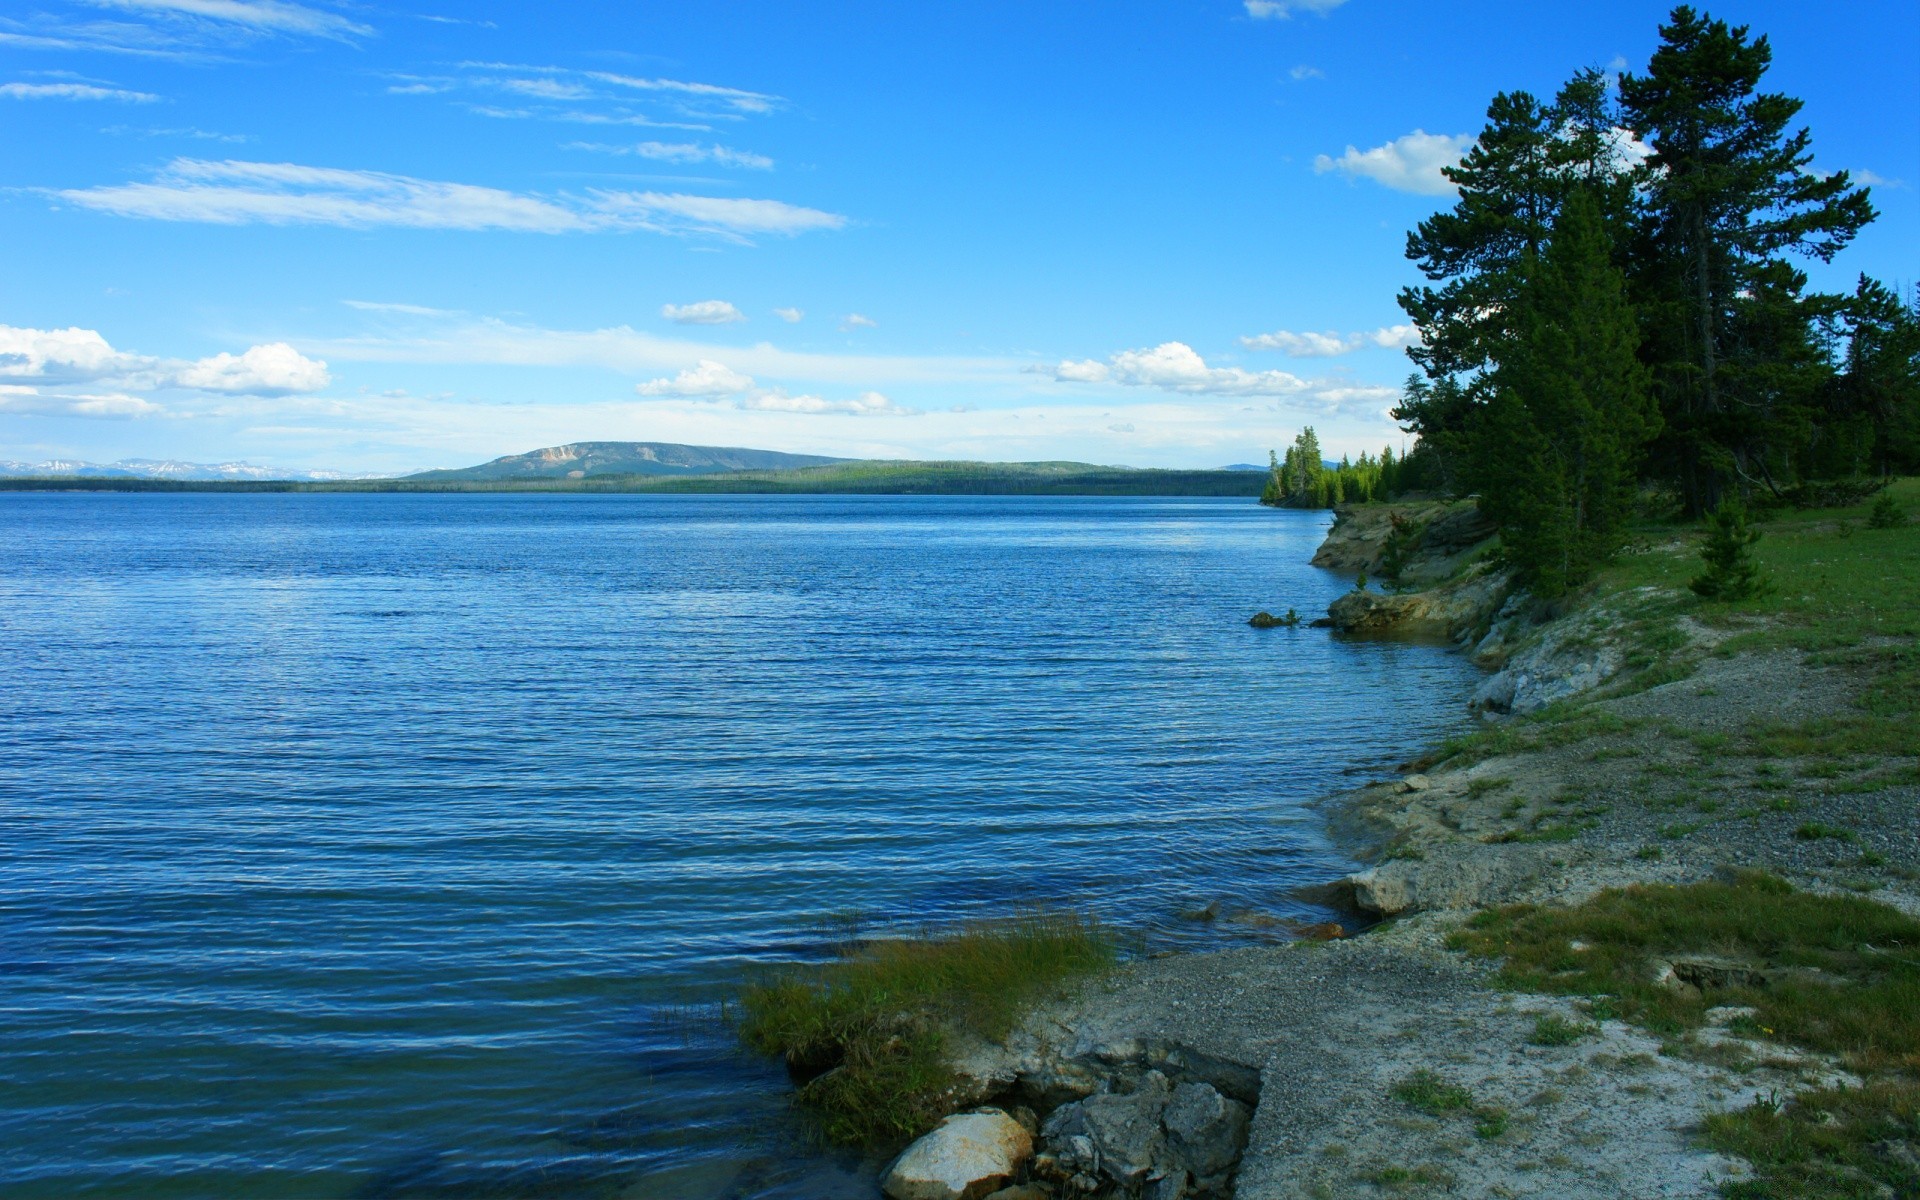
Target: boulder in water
970,1156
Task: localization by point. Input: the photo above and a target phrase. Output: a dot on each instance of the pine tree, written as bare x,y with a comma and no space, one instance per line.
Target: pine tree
1275,493
1728,192
1731,574
1527,160
1557,449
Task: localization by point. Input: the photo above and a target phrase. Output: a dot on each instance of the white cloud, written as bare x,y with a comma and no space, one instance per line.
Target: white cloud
275,369
72,91
705,378
791,316
274,16
1875,179
61,355
853,321
684,152
1406,164
1268,10
244,193
704,312
71,356
863,405
1122,427
1176,367
1304,72
33,402
714,214
733,98
1330,345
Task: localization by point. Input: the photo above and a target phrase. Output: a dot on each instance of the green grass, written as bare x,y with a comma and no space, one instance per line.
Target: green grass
1837,1144
1431,1094
869,1031
1549,1030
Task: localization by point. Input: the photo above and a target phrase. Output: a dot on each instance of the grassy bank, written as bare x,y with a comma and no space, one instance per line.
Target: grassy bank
1836,975
867,1033
1820,972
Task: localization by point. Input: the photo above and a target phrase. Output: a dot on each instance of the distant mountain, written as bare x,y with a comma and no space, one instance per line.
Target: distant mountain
165,468
1243,467
581,459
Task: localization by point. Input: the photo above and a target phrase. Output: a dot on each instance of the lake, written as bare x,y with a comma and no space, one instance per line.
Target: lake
360,845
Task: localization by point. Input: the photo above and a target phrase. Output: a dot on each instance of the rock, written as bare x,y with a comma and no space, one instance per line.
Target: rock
1024,1191
970,1156
1447,877
1703,974
1382,890
1115,1136
1205,1130
1415,783
1322,931
1166,1187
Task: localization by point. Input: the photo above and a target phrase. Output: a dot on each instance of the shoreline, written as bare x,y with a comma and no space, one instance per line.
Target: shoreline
1621,763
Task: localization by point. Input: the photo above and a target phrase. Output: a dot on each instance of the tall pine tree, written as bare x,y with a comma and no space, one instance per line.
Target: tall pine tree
1558,447
1728,192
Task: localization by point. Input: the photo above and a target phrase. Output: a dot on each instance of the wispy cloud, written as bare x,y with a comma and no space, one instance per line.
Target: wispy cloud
1406,164
1281,10
682,152
34,402
866,404
1330,345
853,321
1303,72
791,316
72,91
737,99
273,16
704,312
242,193
555,93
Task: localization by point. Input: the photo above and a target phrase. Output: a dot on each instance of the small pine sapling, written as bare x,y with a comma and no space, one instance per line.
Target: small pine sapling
1731,574
1886,513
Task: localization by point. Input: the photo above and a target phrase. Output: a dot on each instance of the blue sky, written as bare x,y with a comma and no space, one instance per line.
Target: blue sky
379,237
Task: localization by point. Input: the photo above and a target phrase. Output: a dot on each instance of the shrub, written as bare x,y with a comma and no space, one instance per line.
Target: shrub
1886,513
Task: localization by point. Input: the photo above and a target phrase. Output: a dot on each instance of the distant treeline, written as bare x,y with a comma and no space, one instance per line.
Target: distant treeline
874,478
1615,310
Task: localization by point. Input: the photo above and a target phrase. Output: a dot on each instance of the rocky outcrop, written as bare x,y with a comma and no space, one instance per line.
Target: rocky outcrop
970,1156
1441,538
1159,1140
1541,664
1456,609
1147,1119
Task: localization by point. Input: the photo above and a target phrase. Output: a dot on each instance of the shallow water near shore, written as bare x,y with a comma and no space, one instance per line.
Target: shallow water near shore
402,845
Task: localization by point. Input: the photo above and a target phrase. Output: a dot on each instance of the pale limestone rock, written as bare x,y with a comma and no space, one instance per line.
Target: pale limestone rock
970,1156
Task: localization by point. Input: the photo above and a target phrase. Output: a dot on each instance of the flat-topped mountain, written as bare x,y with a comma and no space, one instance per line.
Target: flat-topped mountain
577,460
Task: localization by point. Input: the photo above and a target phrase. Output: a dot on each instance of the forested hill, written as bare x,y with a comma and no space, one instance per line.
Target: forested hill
577,460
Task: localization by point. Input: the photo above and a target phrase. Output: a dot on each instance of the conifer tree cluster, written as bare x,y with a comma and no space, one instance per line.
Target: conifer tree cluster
1615,302
1305,480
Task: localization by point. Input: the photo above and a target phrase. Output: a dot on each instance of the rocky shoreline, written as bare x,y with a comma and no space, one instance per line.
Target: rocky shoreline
1297,1071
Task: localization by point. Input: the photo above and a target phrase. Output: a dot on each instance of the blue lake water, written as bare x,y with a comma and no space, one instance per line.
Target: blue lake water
401,845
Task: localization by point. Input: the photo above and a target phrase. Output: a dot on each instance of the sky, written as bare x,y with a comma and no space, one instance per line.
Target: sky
381,237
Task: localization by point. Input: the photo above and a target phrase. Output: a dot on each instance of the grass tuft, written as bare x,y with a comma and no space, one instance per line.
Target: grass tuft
867,1032
1431,1094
